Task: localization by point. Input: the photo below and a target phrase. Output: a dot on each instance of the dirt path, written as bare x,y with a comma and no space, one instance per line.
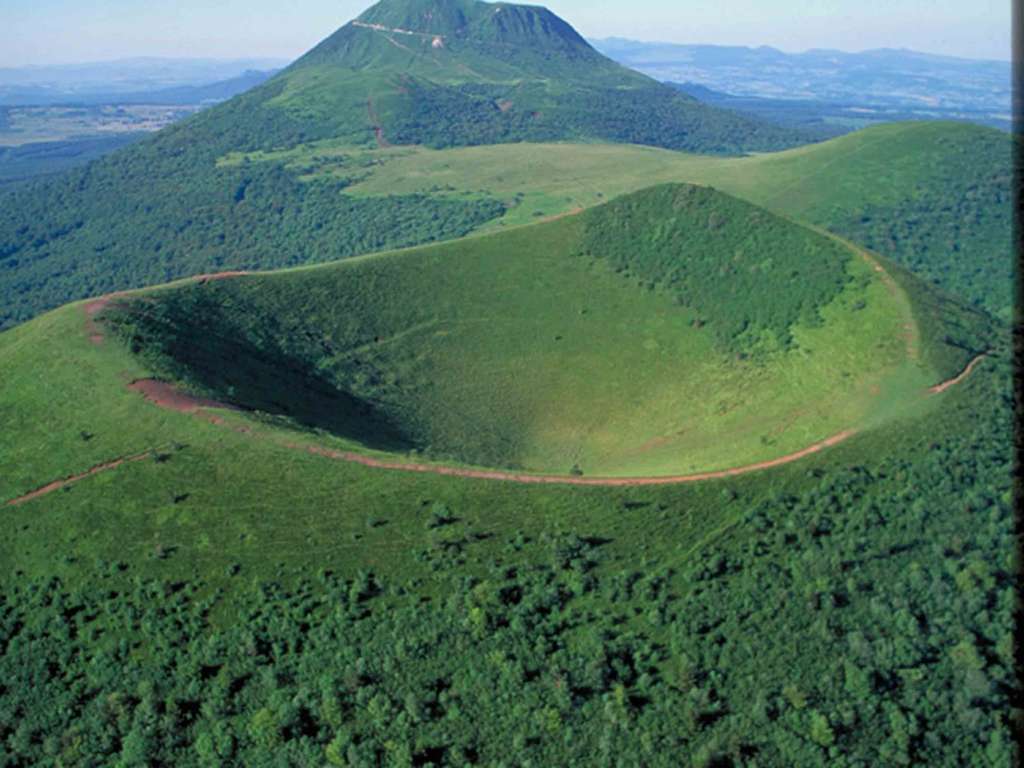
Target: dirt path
165,395
397,30
910,332
56,485
940,388
168,396
606,482
378,129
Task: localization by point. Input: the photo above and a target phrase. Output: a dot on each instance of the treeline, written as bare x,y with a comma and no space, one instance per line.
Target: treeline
962,242
42,158
447,116
149,214
861,614
163,209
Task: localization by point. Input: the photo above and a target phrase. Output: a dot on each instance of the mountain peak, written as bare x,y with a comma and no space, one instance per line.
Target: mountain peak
427,17
473,21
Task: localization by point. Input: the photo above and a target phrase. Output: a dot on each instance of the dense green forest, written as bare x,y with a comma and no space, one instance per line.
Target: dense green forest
122,221
958,234
42,158
441,116
964,245
858,613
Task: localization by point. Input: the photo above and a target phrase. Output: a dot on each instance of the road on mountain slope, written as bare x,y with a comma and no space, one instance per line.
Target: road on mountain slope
397,30
378,129
56,485
938,389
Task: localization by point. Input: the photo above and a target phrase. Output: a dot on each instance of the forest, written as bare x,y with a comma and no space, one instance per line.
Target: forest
134,227
745,271
441,116
854,615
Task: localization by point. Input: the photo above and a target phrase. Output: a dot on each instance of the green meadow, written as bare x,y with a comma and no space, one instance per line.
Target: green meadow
903,190
532,350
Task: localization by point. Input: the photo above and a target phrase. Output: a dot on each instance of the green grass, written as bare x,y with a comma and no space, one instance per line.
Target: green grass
65,402
213,604
933,196
533,349
242,490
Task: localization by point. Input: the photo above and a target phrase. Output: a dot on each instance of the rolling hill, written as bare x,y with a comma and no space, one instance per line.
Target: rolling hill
610,474
211,542
585,343
460,72
936,197
164,208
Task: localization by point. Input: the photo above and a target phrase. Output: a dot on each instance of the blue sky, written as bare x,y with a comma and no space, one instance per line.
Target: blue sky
61,31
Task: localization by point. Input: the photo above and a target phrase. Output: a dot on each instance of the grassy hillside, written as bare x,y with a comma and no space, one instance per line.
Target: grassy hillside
935,197
676,330
462,72
164,208
273,606
943,204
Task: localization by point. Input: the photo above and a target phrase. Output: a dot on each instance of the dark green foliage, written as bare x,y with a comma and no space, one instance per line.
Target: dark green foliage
744,270
861,614
442,116
958,241
43,158
251,361
149,215
964,333
935,197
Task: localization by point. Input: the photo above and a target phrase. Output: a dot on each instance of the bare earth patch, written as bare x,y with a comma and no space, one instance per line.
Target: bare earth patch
168,396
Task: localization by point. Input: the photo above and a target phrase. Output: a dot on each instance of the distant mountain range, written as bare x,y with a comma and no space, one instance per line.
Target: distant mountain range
205,94
883,78
177,81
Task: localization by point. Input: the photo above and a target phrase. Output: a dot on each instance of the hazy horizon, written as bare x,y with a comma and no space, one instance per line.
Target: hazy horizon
284,61
62,32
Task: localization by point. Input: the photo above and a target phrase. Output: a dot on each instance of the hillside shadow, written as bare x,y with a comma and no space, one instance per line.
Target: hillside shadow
202,347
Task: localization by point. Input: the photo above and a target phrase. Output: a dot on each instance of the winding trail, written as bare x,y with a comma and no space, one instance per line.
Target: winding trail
938,389
56,485
165,395
378,129
604,482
